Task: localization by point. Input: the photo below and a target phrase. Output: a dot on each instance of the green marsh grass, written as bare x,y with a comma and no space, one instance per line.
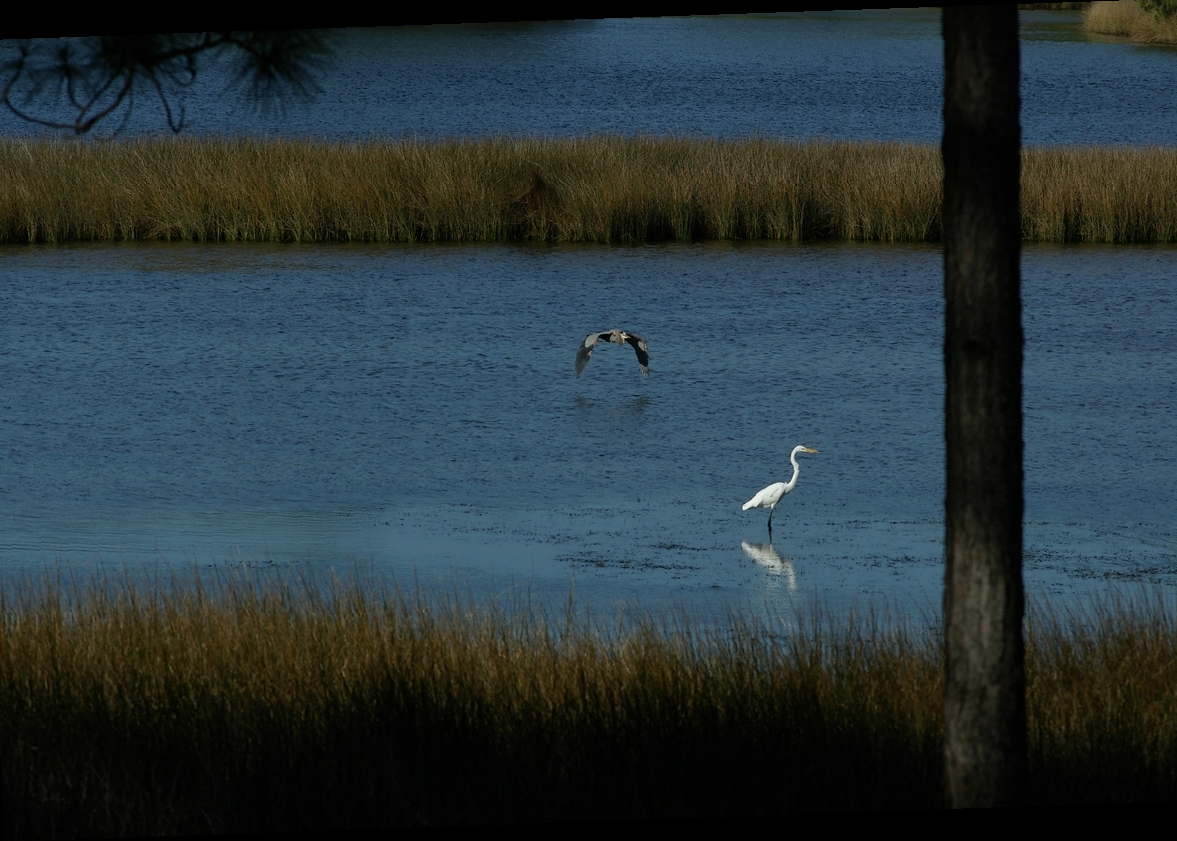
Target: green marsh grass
128,710
591,189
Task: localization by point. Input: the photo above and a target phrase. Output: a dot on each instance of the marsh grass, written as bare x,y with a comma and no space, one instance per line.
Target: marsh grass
127,711
1127,19
1102,701
593,189
131,710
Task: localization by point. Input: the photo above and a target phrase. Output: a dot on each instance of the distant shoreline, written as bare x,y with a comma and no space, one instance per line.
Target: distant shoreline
602,189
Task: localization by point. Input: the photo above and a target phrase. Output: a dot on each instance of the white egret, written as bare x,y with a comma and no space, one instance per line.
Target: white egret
617,337
770,496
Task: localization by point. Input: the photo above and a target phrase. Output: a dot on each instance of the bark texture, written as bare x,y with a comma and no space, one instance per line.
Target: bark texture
985,697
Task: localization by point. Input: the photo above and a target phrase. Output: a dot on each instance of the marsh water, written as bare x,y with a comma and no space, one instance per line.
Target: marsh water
411,412
857,75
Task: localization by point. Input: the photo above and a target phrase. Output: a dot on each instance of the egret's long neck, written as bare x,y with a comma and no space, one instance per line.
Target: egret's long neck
796,471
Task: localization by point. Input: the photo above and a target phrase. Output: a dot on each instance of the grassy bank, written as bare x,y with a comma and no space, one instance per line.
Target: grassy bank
233,708
599,189
1126,19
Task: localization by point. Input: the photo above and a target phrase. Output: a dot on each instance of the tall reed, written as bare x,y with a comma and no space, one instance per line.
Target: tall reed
131,710
592,189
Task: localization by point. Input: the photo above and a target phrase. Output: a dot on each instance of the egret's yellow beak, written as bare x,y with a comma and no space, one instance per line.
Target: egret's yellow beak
810,451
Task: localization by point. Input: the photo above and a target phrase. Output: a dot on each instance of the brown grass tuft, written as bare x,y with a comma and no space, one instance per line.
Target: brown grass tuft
1127,19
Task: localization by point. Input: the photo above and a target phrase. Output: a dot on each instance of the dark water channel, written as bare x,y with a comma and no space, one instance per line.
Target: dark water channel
412,411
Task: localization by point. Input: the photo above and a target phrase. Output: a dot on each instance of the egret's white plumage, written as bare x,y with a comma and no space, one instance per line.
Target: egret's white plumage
617,337
770,496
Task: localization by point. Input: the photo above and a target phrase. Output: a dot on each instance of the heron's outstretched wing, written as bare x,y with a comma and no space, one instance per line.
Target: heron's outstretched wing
586,350
642,349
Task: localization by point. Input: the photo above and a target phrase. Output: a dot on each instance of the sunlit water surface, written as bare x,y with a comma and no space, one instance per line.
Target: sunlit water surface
412,412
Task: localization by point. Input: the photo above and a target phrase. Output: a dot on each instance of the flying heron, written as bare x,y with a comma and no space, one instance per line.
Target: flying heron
617,337
770,496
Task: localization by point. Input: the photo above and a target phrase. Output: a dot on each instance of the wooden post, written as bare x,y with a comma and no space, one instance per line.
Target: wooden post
985,687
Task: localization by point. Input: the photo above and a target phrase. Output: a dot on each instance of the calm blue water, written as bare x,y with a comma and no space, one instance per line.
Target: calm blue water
413,411
874,74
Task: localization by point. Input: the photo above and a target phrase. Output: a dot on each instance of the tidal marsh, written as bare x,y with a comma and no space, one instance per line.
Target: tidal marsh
593,189
129,709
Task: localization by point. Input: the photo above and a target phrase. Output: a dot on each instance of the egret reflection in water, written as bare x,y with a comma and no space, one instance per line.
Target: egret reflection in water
766,556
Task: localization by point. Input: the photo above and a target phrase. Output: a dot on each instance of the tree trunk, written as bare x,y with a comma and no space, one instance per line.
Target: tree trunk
985,687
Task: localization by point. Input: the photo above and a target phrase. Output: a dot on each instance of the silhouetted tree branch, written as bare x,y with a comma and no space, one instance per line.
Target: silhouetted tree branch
94,78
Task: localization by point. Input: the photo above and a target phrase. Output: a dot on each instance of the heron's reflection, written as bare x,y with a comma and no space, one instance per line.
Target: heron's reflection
773,561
